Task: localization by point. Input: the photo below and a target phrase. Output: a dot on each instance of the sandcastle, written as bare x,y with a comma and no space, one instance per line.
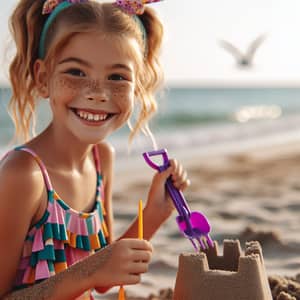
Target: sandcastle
236,275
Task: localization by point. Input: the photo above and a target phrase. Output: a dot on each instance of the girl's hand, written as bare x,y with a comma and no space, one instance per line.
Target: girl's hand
159,200
120,263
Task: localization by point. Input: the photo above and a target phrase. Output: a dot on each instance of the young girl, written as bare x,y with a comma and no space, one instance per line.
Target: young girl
96,63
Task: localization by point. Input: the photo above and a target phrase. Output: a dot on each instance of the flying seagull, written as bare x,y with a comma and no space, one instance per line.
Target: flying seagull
243,59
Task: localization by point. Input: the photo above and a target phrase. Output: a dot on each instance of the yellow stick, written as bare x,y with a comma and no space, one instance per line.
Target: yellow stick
121,293
141,226
140,236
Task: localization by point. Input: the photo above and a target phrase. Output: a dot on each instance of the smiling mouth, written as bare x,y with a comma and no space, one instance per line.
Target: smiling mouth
92,116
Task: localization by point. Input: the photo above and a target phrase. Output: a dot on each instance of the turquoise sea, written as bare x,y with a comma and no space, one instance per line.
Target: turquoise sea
200,116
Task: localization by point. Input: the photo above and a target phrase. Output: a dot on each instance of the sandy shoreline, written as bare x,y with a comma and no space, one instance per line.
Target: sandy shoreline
250,193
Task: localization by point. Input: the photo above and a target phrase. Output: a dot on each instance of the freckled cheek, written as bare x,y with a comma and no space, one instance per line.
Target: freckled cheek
68,88
125,99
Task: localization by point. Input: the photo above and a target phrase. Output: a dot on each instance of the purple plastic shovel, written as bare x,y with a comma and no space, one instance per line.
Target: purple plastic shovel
192,224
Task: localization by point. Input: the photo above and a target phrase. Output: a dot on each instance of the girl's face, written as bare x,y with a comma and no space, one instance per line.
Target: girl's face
91,88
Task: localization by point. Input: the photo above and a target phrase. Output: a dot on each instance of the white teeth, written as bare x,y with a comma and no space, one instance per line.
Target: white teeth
91,117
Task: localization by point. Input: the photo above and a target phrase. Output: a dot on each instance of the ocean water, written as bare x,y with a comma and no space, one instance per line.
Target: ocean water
198,116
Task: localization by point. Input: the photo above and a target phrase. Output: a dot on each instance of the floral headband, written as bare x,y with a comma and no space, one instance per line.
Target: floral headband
132,7
54,7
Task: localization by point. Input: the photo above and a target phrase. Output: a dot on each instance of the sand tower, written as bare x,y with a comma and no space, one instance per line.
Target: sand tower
233,276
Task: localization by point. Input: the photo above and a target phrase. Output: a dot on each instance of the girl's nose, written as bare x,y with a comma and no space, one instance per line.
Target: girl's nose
98,91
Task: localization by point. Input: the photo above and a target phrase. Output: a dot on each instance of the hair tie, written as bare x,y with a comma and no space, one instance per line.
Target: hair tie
134,7
50,5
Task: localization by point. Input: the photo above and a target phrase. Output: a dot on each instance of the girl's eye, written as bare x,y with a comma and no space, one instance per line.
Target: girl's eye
116,77
76,72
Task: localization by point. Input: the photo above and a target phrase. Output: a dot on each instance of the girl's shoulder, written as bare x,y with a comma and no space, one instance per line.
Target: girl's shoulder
20,175
21,165
106,153
105,149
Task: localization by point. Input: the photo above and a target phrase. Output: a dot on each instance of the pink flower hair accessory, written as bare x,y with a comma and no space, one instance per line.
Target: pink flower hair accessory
134,7
50,5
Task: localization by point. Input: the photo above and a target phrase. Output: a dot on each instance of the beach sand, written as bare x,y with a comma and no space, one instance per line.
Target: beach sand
247,194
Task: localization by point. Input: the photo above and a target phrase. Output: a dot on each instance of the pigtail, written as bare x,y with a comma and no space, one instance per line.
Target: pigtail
154,36
26,23
152,76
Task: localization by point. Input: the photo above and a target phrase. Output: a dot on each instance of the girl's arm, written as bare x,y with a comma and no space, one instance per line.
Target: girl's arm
20,194
120,263
68,284
159,205
22,191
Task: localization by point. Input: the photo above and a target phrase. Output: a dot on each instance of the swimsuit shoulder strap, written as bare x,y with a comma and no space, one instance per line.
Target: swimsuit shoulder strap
40,163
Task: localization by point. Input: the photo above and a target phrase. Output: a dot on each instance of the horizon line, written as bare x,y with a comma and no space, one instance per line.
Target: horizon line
227,83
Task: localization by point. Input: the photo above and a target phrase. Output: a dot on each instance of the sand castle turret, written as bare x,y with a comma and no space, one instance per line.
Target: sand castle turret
233,276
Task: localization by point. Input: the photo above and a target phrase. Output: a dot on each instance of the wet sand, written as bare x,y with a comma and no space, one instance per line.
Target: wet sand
251,194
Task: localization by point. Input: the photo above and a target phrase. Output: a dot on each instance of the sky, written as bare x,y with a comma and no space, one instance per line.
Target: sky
192,55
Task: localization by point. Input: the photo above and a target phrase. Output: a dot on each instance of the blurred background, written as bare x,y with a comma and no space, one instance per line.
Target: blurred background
232,72
232,85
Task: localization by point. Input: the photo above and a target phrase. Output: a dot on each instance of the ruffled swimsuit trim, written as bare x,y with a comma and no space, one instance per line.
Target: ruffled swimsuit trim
63,235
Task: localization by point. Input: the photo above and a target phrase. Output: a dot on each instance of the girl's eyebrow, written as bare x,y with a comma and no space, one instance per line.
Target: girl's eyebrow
121,66
87,64
75,59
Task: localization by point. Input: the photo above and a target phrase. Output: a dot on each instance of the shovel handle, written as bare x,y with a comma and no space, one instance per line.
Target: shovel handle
175,194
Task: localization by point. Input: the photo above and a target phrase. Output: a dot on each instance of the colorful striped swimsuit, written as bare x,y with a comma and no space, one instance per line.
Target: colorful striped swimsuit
63,236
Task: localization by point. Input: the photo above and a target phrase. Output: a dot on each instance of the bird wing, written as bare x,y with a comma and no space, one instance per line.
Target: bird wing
254,46
232,49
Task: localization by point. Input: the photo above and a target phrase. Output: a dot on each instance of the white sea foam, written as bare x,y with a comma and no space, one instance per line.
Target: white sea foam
218,137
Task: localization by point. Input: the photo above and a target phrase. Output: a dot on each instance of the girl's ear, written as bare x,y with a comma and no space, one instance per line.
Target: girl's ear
41,78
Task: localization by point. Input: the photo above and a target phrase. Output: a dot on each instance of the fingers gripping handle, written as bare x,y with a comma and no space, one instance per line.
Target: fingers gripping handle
175,194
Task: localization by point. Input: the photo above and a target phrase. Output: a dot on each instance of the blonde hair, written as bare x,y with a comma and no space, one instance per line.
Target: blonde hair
26,24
